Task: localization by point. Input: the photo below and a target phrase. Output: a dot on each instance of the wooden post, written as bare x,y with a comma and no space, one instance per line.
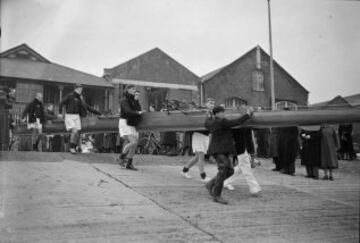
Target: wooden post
4,122
106,104
115,104
61,88
272,82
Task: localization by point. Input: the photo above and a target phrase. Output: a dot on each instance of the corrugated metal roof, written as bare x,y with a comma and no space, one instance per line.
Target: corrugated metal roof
50,72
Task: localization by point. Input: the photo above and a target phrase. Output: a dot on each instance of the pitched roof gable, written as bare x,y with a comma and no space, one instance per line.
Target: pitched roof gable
153,66
22,62
23,51
336,102
212,74
354,100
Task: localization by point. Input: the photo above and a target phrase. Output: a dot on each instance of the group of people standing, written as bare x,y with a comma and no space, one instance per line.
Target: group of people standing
317,147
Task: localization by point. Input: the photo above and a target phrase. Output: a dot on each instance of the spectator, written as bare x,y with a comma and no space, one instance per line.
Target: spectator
329,145
311,152
288,149
346,142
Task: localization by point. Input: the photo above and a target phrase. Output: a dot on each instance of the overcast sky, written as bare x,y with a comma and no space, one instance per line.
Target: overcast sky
316,41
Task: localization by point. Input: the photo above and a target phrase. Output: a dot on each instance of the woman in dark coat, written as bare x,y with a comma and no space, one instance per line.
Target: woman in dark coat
288,149
311,152
329,145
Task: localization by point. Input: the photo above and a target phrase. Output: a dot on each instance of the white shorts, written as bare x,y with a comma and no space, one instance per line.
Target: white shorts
125,129
200,142
72,121
35,125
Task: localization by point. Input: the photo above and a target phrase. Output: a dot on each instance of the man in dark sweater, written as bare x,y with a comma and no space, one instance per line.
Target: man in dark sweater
75,107
35,116
221,146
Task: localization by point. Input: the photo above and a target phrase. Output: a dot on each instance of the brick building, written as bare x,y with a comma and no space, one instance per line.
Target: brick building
28,72
158,77
247,80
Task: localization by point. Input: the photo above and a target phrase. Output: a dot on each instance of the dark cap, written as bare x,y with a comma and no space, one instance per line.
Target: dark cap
129,86
218,109
78,85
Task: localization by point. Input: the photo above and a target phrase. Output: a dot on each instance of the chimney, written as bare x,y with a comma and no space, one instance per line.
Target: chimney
258,57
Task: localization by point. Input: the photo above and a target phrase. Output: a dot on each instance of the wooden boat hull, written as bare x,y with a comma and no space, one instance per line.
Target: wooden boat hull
194,120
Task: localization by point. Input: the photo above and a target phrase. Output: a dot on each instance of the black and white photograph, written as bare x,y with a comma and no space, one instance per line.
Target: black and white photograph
169,121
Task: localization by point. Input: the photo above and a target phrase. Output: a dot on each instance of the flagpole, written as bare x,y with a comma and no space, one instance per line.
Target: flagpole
272,85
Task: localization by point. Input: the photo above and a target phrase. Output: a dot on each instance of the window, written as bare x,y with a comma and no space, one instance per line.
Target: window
286,104
26,92
257,78
234,102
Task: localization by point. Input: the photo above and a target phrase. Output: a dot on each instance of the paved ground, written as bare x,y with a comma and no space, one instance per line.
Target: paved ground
56,197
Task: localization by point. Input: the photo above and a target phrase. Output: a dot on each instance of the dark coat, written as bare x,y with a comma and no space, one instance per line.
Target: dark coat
346,141
243,140
222,140
329,145
288,144
74,104
130,110
274,142
311,148
35,109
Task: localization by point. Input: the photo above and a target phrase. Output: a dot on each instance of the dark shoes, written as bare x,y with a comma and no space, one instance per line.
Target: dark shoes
210,187
325,177
129,165
121,160
220,200
331,178
35,147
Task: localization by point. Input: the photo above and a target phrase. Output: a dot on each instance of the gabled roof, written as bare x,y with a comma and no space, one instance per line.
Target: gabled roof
15,63
154,66
23,51
218,71
337,102
354,100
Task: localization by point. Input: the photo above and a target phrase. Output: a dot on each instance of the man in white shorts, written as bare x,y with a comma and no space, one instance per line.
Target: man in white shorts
200,144
130,115
34,114
75,108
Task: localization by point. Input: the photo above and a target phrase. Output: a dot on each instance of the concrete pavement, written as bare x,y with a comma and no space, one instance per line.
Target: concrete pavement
57,197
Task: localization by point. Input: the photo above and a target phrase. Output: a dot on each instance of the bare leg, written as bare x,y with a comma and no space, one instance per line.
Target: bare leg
201,164
130,148
193,161
326,174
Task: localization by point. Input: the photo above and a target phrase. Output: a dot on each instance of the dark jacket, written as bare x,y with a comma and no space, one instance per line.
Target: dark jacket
50,115
74,104
34,109
311,148
243,140
222,141
129,110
